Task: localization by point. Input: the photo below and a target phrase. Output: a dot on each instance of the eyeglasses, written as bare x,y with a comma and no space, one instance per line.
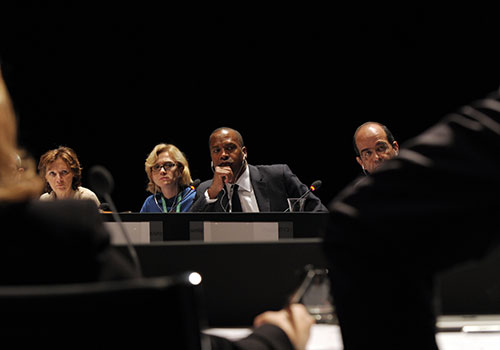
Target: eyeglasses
381,149
167,166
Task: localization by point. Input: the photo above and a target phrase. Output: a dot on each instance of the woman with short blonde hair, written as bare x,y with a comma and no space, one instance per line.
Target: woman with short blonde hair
169,178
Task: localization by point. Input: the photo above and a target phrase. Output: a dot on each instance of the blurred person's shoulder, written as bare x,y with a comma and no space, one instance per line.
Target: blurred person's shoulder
63,218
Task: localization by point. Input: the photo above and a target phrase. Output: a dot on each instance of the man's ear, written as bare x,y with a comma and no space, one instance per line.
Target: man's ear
245,154
360,162
396,147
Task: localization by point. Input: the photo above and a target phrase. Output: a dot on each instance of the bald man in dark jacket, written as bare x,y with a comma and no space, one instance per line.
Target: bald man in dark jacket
431,208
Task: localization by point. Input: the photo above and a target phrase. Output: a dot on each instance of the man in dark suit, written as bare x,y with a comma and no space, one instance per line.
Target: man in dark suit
238,186
433,207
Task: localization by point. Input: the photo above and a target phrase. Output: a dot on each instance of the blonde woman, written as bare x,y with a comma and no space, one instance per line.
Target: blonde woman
169,179
62,172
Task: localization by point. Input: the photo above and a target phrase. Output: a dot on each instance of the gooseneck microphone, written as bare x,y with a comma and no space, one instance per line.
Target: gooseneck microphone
195,184
314,186
102,182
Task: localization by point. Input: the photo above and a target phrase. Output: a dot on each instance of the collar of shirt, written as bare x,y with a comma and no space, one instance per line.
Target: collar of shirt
243,182
245,192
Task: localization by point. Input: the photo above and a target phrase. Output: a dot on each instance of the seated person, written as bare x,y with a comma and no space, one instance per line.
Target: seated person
239,186
169,179
430,209
373,144
62,172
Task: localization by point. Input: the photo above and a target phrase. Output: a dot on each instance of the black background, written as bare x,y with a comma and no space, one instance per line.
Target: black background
295,81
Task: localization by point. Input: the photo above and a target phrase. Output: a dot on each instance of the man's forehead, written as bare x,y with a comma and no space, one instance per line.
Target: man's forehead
223,137
372,129
221,142
372,133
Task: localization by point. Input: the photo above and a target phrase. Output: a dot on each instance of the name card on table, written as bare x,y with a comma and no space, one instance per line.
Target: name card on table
211,231
139,232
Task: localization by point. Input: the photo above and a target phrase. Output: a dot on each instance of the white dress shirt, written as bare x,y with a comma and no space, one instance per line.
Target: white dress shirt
245,192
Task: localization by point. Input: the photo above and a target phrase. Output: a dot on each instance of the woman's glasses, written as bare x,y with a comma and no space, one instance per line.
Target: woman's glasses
167,166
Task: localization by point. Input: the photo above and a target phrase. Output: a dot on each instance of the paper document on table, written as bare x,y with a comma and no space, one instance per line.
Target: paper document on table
325,337
232,334
468,341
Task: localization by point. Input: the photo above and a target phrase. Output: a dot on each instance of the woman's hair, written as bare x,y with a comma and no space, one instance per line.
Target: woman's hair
176,155
15,184
69,157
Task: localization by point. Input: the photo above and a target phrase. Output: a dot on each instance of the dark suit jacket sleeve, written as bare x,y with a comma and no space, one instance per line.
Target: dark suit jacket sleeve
200,203
433,207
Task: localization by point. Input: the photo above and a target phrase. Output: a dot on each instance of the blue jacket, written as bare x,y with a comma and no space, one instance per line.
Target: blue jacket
155,206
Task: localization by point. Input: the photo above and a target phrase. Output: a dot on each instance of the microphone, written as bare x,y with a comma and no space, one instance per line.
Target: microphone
102,182
195,184
314,186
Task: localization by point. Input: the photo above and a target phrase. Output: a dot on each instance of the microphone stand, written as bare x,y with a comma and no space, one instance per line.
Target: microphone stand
102,182
315,185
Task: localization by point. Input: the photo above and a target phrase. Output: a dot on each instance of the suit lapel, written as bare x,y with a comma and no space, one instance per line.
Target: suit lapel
260,189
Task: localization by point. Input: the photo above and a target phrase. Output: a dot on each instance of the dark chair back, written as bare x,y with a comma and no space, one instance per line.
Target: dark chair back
162,312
